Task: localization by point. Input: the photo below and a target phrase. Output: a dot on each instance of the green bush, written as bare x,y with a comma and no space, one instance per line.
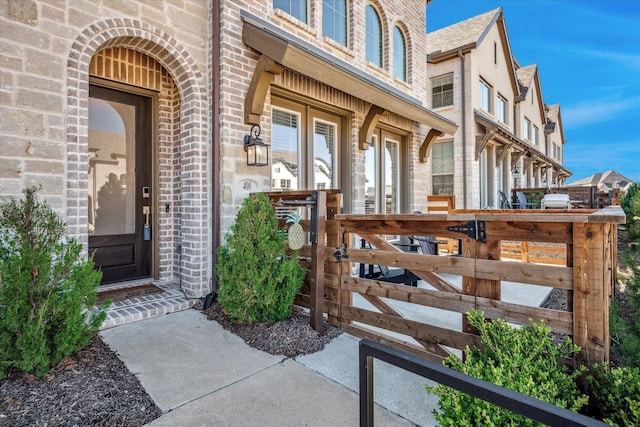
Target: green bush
616,394
258,281
47,290
631,205
625,329
522,359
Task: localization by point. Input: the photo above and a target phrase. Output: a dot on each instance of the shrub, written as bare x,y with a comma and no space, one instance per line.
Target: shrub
624,316
616,394
630,203
522,359
258,281
47,290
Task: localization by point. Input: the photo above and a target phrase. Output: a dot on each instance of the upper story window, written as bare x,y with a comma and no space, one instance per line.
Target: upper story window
502,110
485,96
373,37
334,20
399,54
295,8
536,134
526,129
442,91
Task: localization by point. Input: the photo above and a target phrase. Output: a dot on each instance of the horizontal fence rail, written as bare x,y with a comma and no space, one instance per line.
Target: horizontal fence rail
573,251
505,398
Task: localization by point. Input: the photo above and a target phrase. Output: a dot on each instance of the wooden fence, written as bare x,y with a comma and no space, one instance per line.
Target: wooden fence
588,274
581,259
319,291
585,197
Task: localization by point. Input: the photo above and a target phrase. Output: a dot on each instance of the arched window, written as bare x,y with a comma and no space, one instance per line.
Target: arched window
334,20
399,55
373,37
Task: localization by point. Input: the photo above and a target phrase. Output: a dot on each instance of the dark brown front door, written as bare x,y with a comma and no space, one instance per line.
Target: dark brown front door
120,191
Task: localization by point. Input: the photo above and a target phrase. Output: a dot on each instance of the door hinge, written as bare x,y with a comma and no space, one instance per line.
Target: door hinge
474,229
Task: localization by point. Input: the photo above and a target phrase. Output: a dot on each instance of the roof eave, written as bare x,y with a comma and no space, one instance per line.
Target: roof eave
313,62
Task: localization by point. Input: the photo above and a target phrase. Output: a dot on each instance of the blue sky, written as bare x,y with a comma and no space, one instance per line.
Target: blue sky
588,56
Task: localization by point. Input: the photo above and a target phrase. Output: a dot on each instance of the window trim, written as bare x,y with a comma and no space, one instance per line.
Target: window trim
483,84
526,129
397,30
439,174
381,135
504,117
345,22
380,36
443,92
288,12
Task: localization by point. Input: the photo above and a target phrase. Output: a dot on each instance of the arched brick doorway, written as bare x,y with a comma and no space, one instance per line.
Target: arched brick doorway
188,251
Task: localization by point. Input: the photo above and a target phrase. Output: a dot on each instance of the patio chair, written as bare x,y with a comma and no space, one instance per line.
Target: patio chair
504,202
522,201
386,274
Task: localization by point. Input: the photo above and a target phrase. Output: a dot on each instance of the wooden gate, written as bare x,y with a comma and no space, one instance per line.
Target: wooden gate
409,318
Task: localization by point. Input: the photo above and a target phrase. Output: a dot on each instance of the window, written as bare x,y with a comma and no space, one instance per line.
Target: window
536,133
285,141
334,20
399,55
526,129
502,110
442,168
485,96
382,172
308,158
495,53
442,91
285,184
373,39
295,8
324,159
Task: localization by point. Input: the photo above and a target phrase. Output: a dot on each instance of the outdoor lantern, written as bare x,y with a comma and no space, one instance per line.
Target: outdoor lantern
257,151
516,177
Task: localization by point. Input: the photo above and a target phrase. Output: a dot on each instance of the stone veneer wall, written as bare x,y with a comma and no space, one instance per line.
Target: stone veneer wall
46,48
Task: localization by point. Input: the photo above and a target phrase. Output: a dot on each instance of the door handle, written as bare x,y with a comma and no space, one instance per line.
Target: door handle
146,230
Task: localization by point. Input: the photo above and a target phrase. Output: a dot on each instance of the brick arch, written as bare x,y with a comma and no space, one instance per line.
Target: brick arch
192,141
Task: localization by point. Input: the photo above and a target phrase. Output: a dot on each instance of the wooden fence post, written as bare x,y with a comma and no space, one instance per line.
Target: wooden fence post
591,290
317,265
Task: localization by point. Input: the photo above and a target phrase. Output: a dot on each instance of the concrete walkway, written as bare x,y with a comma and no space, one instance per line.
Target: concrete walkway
202,375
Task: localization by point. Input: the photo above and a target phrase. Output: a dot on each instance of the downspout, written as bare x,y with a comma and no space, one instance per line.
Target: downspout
215,135
464,132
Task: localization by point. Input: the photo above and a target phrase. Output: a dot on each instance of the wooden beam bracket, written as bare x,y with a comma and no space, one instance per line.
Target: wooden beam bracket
369,125
483,140
266,68
423,155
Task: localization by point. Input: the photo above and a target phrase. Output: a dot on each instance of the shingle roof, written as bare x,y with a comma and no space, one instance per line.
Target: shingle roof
604,181
553,112
463,33
525,76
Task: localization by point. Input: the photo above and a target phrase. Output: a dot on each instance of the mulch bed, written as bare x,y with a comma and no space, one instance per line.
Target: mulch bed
93,387
291,337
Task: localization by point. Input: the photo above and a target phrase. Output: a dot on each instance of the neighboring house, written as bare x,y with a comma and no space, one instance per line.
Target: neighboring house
504,124
605,181
136,111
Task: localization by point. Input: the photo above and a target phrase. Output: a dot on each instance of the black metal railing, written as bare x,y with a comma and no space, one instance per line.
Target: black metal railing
516,402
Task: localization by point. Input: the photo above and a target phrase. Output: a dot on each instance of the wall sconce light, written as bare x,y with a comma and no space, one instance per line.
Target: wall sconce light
257,151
